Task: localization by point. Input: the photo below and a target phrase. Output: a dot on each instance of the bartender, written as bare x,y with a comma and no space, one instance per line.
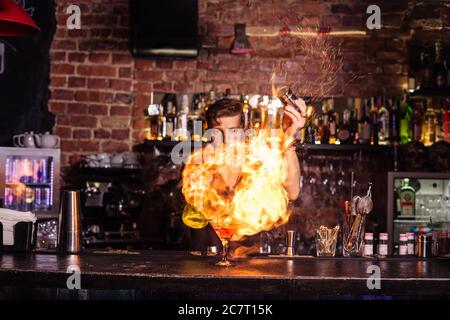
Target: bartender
227,115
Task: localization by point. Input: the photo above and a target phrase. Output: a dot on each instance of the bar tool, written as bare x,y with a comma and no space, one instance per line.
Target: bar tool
290,242
69,229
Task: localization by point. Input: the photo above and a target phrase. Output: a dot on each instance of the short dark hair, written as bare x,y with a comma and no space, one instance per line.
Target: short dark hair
223,108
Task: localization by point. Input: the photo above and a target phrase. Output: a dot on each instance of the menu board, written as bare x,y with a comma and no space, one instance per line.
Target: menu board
25,74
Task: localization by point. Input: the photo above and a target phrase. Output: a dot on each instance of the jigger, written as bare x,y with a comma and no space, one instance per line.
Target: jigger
69,231
290,243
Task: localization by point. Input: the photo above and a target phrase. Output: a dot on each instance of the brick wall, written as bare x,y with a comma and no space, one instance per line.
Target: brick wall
99,92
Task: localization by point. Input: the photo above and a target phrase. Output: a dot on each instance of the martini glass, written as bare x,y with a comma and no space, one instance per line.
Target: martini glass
224,230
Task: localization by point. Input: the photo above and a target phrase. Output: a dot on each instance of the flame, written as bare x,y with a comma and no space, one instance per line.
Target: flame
259,199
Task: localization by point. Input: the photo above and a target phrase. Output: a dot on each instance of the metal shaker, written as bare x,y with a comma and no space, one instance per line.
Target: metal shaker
290,243
69,231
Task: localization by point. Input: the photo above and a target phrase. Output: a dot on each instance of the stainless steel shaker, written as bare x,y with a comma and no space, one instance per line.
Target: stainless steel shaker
424,246
69,231
290,243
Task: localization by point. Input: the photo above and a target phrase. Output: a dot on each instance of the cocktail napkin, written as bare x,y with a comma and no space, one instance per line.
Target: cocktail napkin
9,218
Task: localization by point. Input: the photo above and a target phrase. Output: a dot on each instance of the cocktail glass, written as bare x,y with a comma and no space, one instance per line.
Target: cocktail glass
224,230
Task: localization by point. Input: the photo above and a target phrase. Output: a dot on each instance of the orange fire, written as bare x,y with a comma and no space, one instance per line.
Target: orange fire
259,201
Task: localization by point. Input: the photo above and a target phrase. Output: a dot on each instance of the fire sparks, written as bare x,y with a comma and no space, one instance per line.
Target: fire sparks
258,201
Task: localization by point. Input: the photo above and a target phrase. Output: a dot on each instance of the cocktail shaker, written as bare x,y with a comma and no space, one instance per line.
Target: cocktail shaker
290,243
69,231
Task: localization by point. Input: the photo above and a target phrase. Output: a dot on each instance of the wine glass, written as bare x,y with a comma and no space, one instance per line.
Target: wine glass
224,229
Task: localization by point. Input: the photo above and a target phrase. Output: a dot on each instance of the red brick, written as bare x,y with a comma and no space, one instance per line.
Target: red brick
77,108
76,57
60,94
57,107
144,64
62,68
64,44
123,98
99,71
63,132
121,59
98,109
392,68
81,134
162,86
120,111
125,72
148,75
99,57
58,56
121,85
120,134
56,81
99,83
142,100
111,146
77,145
77,82
164,64
102,134
84,121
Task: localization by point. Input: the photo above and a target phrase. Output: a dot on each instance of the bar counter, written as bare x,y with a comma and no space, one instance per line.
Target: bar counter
174,274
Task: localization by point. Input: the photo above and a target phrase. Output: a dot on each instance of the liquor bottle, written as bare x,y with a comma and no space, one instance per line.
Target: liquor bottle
424,74
446,125
383,122
373,115
325,139
394,122
429,126
170,121
156,118
439,69
354,123
363,122
332,122
417,126
246,111
407,199
254,115
318,129
211,99
406,114
345,134
195,119
439,125
182,121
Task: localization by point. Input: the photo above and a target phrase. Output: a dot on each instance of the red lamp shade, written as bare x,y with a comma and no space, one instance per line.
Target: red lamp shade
14,21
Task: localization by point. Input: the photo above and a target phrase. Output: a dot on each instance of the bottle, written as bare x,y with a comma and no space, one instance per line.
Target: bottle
211,99
368,244
407,199
403,245
195,119
394,122
156,122
345,134
254,116
439,69
331,122
373,115
397,203
424,79
411,251
246,111
417,126
363,123
383,122
439,125
429,126
406,113
325,124
318,129
446,125
383,245
170,121
182,121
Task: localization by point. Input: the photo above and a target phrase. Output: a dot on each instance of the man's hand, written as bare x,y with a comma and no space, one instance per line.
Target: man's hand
297,119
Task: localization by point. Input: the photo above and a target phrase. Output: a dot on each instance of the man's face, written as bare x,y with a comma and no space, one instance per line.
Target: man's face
230,127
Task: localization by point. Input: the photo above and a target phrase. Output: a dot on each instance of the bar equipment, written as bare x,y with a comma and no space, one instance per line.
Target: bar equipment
424,246
326,239
69,229
354,228
290,243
